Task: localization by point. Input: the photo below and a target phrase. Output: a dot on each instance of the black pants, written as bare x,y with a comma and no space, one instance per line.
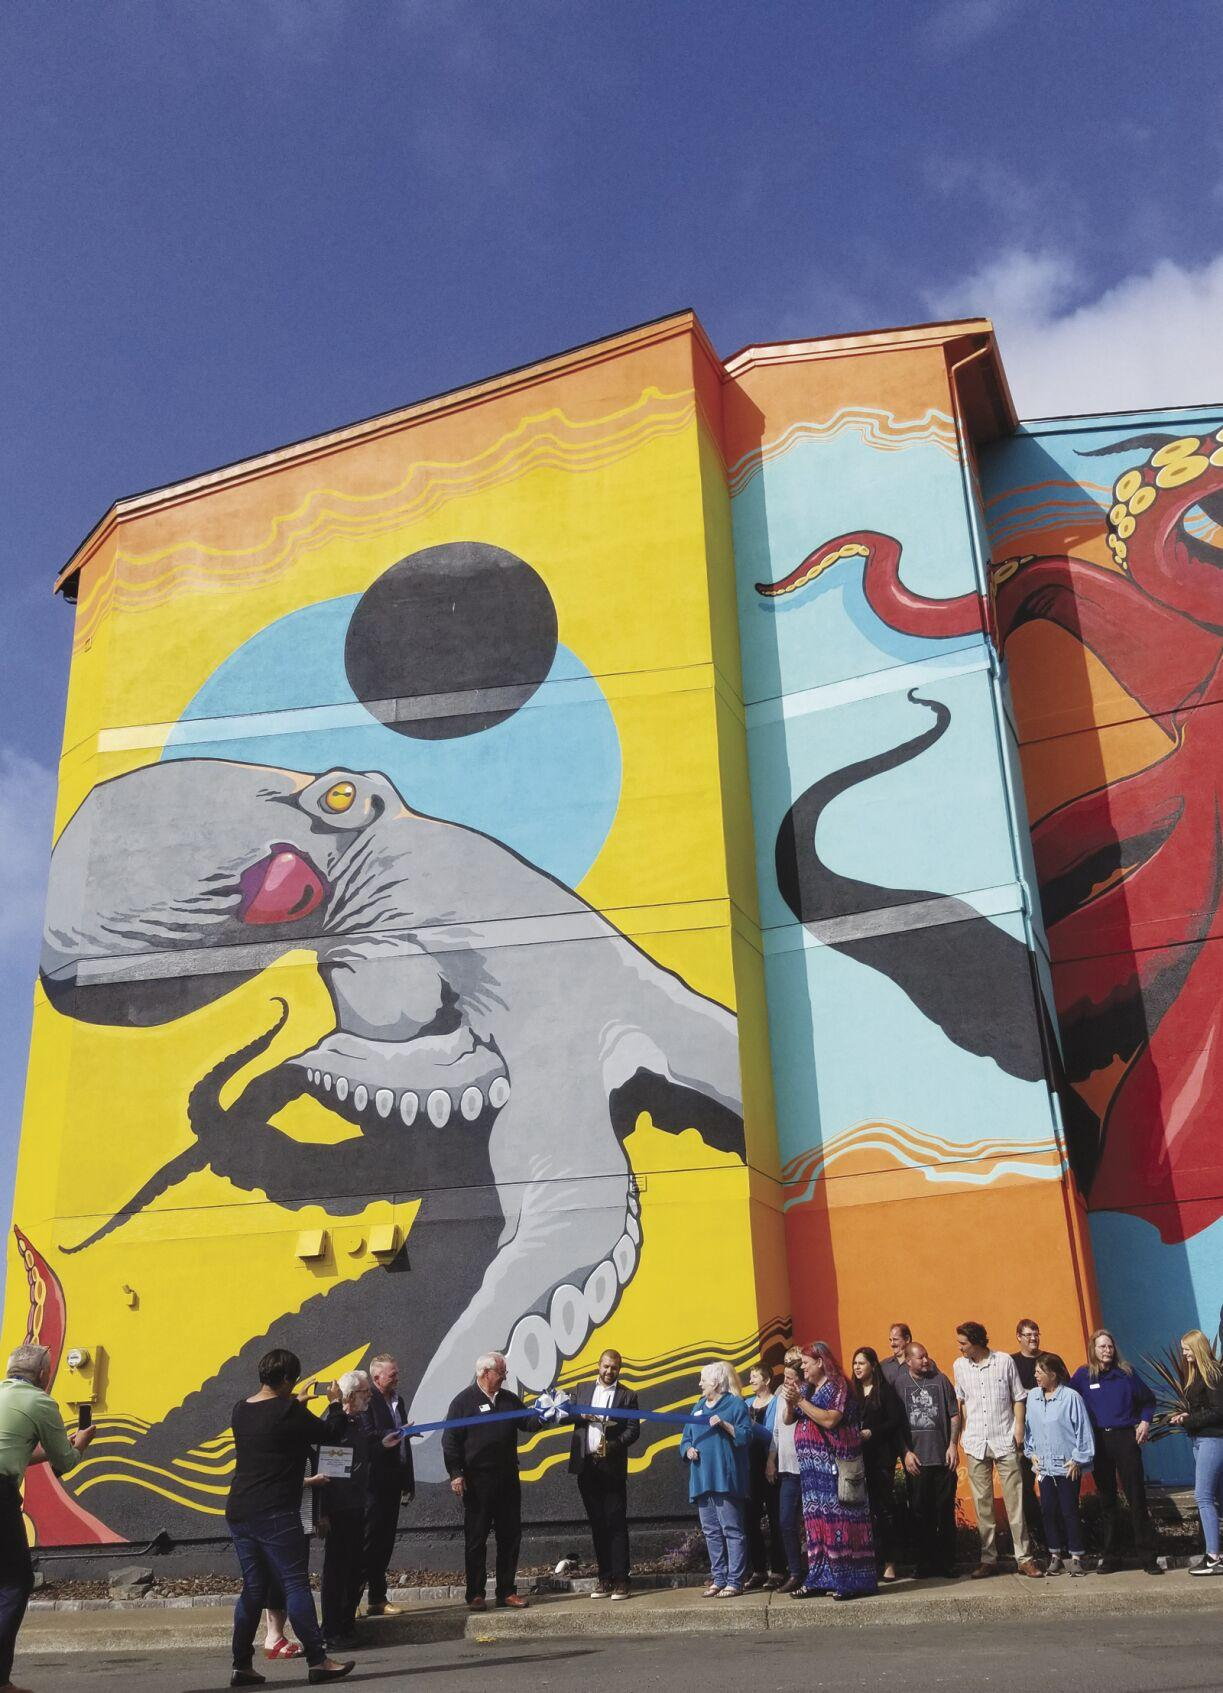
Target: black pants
16,1576
881,1491
766,1553
604,1491
1033,1514
1119,1459
932,1514
381,1521
492,1503
343,1572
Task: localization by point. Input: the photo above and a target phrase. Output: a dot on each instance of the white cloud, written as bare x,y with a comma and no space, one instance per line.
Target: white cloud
961,23
1150,340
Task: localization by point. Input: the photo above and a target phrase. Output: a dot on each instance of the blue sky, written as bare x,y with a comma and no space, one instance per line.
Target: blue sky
232,223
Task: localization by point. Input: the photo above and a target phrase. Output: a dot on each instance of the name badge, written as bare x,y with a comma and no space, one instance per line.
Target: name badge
484,1408
1095,1387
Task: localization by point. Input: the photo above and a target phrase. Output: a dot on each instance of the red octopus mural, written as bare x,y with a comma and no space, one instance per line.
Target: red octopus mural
1130,874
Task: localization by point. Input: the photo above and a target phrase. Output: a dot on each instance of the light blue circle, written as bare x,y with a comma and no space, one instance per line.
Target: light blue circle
546,781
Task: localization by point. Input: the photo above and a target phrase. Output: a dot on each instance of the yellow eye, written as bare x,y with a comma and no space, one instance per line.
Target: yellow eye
339,796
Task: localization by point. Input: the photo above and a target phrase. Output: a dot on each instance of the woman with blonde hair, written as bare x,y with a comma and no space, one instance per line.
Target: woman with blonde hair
714,1445
1120,1405
1203,1423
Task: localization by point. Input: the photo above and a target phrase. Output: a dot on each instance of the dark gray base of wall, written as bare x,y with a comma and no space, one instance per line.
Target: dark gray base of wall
543,1544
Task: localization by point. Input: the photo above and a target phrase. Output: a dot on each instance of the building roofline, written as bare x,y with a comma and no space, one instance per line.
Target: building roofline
332,440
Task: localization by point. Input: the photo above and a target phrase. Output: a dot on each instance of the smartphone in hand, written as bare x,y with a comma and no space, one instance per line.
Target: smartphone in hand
84,1416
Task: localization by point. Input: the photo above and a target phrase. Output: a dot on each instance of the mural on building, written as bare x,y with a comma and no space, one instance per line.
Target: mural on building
386,997
1109,604
910,1022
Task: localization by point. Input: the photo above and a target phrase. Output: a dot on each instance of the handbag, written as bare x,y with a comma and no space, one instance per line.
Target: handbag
851,1474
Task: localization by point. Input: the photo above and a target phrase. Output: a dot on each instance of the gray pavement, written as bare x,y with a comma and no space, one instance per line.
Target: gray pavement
1169,1651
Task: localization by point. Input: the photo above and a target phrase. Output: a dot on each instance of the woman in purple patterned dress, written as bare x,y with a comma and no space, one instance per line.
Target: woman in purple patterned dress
840,1548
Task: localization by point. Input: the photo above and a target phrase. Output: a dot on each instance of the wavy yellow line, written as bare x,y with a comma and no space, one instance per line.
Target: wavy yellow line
879,429
151,1487
540,439
150,1469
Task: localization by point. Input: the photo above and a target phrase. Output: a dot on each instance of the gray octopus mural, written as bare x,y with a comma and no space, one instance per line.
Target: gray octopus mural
495,1040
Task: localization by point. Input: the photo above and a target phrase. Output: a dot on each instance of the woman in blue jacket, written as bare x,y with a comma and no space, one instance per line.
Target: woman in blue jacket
1057,1438
1120,1405
714,1445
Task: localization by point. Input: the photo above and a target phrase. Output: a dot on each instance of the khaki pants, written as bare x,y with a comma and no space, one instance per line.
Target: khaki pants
1010,1485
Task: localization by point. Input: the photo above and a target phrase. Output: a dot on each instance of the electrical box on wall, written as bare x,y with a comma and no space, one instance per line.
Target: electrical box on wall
80,1380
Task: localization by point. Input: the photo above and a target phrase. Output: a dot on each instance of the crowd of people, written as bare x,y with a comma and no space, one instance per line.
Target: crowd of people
794,1479
801,1495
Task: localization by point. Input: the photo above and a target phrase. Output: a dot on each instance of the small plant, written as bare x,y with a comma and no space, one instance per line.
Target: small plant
1167,1372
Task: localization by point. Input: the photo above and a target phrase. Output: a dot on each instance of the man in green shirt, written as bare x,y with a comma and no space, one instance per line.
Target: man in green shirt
31,1432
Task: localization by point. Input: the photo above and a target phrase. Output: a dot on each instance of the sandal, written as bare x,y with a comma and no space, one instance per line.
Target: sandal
282,1648
713,1591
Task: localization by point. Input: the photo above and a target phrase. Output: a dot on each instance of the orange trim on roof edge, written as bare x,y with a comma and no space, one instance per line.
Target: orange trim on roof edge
385,423
867,341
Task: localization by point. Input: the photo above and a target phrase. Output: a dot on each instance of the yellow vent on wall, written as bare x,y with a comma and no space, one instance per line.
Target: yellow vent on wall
384,1237
311,1243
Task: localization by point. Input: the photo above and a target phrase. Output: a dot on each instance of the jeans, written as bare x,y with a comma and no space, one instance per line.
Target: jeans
790,1519
1207,1476
721,1518
1059,1503
274,1546
1010,1485
16,1575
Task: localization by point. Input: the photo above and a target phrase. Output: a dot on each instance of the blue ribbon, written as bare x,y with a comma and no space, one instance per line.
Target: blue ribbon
554,1415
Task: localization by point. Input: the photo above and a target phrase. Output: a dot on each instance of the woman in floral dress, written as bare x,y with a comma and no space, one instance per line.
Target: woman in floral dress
840,1548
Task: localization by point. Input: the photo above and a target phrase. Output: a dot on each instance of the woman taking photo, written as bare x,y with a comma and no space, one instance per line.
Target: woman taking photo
1203,1422
836,1510
882,1421
766,1556
1120,1405
1058,1441
783,1469
714,1446
273,1435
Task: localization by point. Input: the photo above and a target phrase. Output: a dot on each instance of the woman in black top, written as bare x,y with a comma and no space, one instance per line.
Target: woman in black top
342,1511
1203,1422
767,1559
273,1435
883,1436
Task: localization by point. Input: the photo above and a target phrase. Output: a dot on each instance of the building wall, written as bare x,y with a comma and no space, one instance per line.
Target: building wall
413,761
921,1149
1106,536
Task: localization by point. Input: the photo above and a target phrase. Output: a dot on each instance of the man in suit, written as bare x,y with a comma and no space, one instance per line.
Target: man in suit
598,1456
482,1463
390,1479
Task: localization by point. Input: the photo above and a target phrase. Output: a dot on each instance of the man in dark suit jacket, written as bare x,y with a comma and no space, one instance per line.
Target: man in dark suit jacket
390,1481
598,1456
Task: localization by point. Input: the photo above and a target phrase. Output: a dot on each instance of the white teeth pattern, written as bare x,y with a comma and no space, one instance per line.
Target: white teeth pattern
439,1104
538,1345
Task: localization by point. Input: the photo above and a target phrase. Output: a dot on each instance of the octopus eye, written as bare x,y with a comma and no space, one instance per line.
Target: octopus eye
339,796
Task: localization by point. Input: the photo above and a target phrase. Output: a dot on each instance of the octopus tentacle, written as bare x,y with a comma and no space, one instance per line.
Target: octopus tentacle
897,606
1146,534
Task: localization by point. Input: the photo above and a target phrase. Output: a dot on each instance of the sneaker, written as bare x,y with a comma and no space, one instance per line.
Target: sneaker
1152,1567
1107,1566
1208,1566
621,1590
1074,1564
600,1590
1055,1566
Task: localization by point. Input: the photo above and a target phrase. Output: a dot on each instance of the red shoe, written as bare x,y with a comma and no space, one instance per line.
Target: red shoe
513,1602
282,1648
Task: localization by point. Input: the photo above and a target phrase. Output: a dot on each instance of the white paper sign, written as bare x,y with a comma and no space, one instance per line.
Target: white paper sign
335,1462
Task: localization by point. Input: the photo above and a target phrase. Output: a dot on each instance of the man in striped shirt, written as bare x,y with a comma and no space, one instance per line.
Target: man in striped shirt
992,1400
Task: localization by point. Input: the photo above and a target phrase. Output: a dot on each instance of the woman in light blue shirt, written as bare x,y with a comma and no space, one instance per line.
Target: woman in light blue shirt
714,1445
1058,1438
